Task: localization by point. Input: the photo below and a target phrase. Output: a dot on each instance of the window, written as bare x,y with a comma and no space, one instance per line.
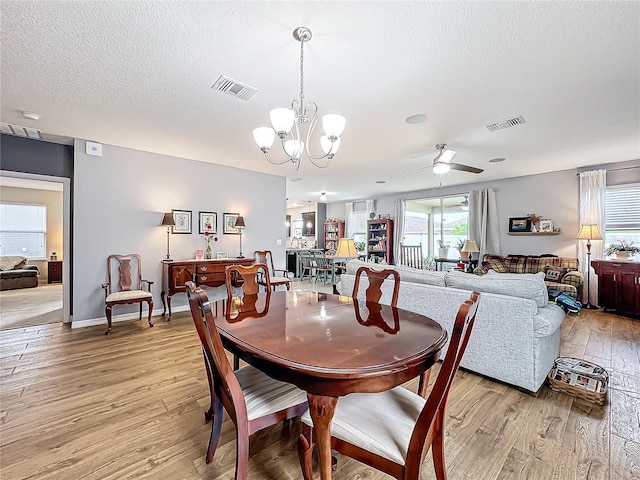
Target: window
23,230
428,220
359,222
622,213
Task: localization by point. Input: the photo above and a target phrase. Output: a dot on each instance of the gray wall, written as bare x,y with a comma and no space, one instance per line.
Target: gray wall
552,195
119,202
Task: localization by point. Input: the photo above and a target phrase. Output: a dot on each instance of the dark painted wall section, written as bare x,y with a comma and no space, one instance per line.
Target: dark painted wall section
19,154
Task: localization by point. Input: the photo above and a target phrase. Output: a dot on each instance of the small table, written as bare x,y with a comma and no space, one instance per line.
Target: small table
316,341
471,264
54,271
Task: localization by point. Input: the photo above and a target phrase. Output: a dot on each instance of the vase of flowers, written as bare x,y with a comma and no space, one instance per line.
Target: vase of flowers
622,250
207,252
443,249
534,219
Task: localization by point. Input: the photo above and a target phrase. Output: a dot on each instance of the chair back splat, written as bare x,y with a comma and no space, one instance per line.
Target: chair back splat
272,401
411,255
406,425
376,279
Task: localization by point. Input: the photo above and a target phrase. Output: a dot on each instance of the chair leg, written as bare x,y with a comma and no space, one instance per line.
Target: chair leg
242,454
107,312
140,312
150,310
216,428
305,450
236,363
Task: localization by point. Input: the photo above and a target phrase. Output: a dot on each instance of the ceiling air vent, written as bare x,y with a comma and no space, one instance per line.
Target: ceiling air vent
234,88
20,131
511,122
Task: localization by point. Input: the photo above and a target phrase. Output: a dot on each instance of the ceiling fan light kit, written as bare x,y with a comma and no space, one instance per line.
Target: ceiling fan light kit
287,121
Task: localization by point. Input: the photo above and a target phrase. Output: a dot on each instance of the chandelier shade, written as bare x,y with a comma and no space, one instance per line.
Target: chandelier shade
287,123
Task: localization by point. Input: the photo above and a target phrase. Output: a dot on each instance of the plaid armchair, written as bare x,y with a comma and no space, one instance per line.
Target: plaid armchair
561,273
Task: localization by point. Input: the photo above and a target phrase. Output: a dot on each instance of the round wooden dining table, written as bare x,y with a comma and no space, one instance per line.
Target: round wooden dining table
328,345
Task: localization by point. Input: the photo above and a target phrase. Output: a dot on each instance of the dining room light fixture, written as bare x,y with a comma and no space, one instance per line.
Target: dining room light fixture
287,122
323,197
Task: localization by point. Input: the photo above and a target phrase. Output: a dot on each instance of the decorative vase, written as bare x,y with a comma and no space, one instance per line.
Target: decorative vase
443,252
533,227
207,253
623,255
464,255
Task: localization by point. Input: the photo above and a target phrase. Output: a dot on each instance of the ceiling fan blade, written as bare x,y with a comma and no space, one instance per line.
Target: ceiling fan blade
465,168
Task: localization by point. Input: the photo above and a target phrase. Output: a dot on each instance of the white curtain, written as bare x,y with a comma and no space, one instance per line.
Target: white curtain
593,185
484,227
348,215
371,207
398,228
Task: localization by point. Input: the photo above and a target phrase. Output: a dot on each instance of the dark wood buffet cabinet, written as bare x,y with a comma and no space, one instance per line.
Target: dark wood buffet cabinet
177,273
618,285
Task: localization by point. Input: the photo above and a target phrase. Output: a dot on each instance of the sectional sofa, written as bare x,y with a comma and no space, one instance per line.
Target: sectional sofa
15,273
516,336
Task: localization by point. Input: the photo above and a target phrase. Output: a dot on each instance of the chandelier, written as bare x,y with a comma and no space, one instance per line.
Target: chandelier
287,124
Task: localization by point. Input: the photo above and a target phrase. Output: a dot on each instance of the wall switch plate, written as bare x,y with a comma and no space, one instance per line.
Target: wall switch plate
93,148
279,241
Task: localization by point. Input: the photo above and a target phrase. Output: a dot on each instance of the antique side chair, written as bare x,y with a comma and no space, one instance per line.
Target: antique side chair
276,277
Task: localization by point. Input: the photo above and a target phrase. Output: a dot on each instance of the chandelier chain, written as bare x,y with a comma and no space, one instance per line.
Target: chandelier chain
301,77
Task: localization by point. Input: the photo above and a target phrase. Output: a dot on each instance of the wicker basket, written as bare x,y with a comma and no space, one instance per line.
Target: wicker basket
562,373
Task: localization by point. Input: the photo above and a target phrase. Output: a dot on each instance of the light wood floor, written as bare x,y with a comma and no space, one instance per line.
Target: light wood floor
76,404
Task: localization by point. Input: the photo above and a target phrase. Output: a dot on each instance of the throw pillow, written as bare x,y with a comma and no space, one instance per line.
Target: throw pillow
554,274
495,263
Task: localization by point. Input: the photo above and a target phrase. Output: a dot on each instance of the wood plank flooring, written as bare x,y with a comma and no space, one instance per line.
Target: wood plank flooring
76,404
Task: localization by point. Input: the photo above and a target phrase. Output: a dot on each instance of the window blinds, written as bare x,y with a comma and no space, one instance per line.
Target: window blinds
622,207
23,229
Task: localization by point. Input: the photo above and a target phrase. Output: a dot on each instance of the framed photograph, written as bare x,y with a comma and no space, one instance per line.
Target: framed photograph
546,225
199,254
208,222
182,219
222,254
519,224
229,222
384,216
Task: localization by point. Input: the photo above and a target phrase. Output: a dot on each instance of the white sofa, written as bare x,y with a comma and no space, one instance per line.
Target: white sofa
516,336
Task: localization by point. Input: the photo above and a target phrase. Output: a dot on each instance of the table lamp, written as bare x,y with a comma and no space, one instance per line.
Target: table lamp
169,222
589,232
346,248
470,247
240,226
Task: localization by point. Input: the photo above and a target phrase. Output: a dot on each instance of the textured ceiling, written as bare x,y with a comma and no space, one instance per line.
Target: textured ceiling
139,75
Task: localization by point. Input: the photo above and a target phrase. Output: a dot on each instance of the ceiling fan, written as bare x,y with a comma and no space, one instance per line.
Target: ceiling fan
465,203
442,163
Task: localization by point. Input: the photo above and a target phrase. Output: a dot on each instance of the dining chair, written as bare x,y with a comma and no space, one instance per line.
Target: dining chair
376,278
323,267
125,285
411,255
249,278
265,256
307,265
252,400
393,431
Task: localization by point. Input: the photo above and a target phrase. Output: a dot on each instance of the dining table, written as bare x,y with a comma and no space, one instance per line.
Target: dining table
330,346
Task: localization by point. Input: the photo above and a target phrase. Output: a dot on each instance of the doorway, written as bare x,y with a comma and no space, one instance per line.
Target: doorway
48,302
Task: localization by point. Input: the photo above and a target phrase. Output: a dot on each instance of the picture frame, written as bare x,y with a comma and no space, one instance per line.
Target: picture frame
199,254
546,225
208,222
228,223
222,254
182,220
519,224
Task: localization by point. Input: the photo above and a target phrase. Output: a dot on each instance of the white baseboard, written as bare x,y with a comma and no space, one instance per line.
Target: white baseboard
91,322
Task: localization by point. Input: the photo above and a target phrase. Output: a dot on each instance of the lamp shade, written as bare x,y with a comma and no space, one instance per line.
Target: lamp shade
282,119
329,146
333,124
470,246
264,136
239,222
168,219
346,248
440,167
589,232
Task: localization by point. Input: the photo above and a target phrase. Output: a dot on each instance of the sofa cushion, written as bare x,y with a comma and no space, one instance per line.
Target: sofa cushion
540,264
520,285
13,262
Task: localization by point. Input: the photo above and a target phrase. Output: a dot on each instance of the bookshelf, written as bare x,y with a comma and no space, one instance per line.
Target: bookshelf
380,241
333,230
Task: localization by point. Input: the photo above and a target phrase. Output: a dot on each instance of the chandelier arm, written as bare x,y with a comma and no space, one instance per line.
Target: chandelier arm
266,155
312,126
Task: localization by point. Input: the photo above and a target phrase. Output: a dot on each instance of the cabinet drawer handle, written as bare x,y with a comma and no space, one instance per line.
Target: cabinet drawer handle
203,278
614,277
204,268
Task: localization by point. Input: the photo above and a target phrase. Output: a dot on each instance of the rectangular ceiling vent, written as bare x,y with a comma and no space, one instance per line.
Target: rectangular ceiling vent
511,122
20,131
234,88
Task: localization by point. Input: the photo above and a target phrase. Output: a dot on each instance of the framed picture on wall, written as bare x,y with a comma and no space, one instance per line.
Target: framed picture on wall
208,222
519,224
229,223
182,220
546,225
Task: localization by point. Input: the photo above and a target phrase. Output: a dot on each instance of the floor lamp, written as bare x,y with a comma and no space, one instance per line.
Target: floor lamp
169,222
589,232
240,226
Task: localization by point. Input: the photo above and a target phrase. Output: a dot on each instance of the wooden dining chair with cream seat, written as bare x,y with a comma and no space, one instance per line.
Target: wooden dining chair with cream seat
276,277
393,431
125,285
411,255
252,400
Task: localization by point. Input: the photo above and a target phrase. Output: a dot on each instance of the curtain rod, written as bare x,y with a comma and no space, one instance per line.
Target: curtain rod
612,169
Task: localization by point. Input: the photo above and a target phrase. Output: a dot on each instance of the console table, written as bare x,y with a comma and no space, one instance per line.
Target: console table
618,285
177,273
